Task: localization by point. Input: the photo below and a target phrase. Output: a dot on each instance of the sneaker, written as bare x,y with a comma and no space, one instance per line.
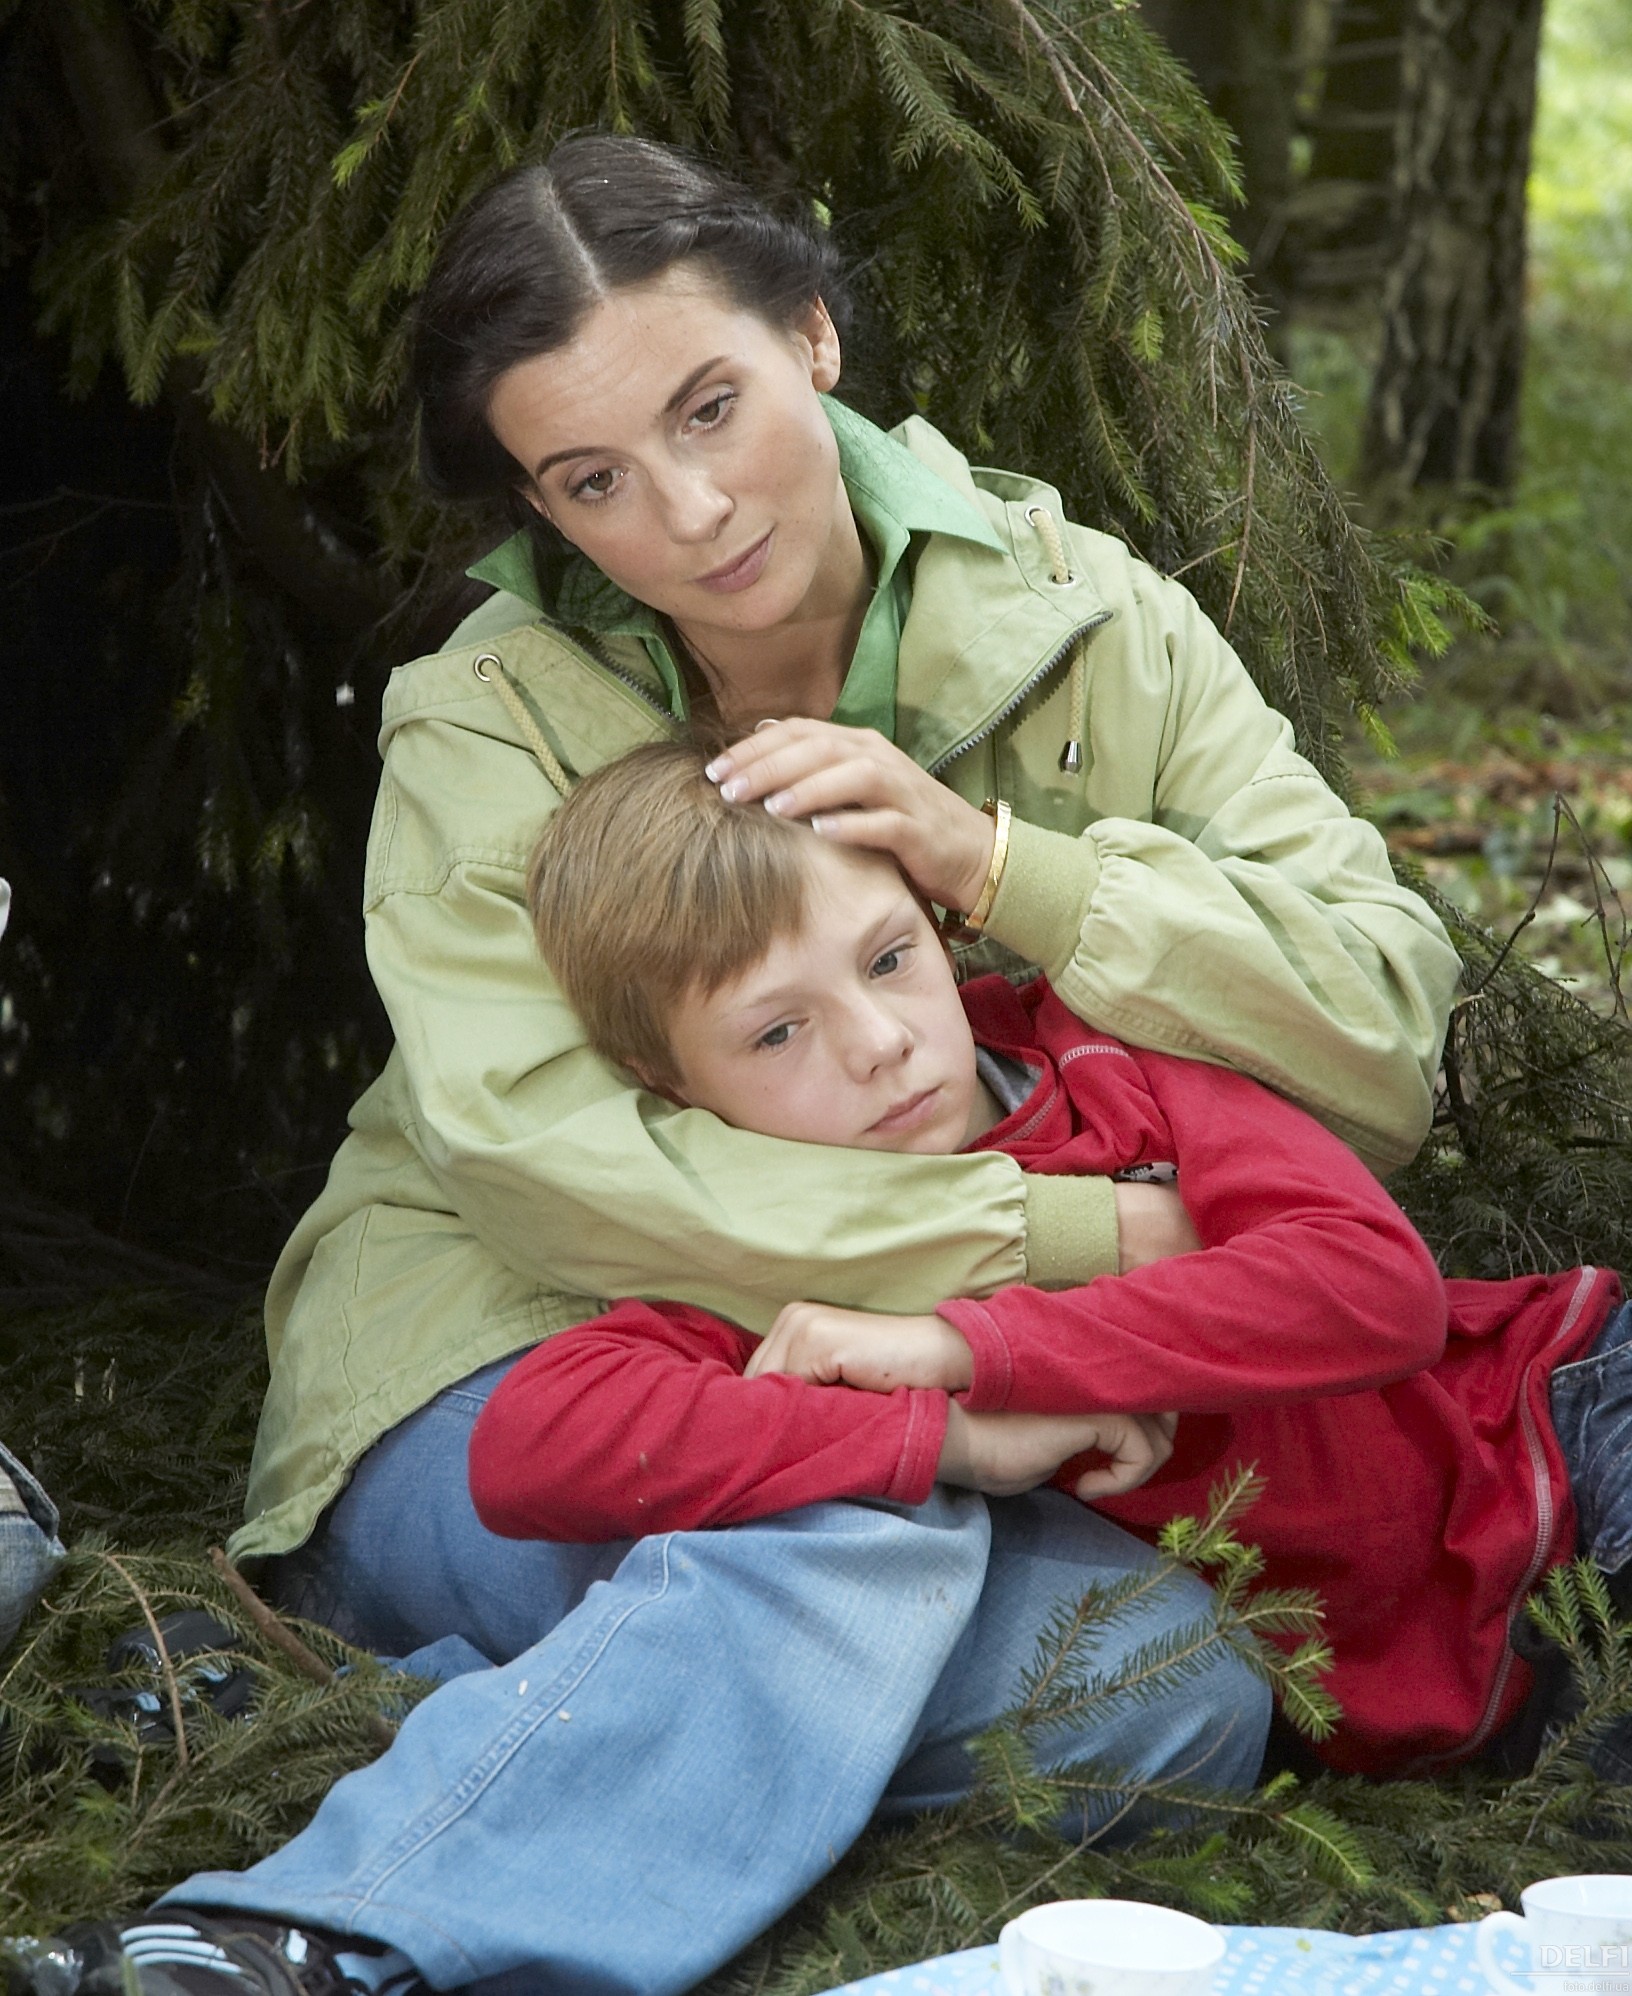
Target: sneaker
181,1952
199,1650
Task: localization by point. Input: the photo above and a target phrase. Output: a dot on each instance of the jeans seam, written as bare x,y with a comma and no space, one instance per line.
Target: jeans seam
483,1772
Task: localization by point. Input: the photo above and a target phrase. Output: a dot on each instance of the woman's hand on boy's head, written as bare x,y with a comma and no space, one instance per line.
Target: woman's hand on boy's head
858,789
832,1347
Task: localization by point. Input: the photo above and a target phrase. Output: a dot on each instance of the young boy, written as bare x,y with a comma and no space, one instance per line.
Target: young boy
1420,1475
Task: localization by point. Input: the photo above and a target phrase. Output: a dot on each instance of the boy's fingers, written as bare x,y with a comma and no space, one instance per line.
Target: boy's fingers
1115,1480
770,1355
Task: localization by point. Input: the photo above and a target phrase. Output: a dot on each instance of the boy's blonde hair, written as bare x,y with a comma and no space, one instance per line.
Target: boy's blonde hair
646,885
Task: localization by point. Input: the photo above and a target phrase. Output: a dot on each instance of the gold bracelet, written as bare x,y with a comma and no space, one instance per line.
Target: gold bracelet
999,814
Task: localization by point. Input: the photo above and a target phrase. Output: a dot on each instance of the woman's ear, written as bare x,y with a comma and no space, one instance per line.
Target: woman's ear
820,334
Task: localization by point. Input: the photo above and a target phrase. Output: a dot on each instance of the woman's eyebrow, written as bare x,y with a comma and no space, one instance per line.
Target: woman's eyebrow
589,450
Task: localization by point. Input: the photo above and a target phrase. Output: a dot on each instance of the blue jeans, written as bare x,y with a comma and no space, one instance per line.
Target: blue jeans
30,1551
651,1750
1592,1417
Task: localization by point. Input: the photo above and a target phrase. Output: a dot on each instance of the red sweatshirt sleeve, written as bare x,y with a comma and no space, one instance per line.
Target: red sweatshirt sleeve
641,1421
1311,1280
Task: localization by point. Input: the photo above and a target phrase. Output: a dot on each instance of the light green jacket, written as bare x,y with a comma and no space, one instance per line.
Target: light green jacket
1196,888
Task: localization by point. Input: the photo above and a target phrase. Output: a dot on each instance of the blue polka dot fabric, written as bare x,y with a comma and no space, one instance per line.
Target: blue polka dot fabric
1265,1961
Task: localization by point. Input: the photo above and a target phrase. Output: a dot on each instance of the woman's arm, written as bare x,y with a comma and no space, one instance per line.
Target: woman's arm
1224,903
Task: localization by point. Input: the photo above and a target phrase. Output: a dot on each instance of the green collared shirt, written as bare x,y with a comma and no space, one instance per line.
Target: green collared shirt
893,497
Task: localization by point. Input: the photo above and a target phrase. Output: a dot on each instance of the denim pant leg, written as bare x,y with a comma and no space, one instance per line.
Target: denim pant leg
1592,1417
30,1551
1047,1548
636,1796
626,1802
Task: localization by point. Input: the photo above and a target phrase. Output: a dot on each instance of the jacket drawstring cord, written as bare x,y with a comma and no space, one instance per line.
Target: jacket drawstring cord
1060,575
1076,699
531,733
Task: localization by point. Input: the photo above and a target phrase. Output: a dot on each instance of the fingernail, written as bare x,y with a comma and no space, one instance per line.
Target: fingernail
720,766
778,802
770,721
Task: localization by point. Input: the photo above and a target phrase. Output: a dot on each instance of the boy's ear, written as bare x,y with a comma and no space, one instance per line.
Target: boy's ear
649,1081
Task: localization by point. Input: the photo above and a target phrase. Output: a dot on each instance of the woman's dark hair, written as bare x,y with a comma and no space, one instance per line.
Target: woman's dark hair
523,264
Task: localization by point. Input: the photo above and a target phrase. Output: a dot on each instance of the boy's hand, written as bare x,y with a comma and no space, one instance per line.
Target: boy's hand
1137,1444
832,1347
1003,1454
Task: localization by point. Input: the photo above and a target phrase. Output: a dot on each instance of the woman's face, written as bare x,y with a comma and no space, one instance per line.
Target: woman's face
679,443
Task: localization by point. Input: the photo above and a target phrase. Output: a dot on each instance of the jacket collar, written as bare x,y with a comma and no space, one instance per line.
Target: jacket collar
986,623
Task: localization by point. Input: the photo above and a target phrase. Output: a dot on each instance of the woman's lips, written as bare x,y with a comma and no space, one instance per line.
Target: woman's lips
917,1109
741,573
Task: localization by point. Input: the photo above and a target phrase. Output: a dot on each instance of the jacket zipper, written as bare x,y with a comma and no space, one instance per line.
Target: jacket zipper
1545,1518
1051,664
595,656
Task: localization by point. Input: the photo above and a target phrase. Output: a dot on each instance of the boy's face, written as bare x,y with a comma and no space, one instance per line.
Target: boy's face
850,1032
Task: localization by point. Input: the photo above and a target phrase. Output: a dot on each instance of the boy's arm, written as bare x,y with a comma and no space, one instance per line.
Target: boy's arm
1311,1280
640,1421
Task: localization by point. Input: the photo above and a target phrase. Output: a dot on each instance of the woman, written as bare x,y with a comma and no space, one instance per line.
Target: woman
628,348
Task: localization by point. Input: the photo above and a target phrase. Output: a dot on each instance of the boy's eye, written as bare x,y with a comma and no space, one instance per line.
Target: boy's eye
775,1036
889,961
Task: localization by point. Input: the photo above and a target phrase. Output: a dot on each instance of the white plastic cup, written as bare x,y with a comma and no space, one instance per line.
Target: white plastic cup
1108,1947
1579,1932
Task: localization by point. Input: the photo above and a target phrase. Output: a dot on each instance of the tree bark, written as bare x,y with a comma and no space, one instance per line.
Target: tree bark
1445,397
1340,215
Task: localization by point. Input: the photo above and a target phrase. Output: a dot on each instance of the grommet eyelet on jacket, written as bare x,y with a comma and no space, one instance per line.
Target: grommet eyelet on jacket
1043,523
531,733
1039,518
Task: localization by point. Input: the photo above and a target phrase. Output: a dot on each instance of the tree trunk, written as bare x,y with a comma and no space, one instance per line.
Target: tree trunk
1340,216
303,555
1445,397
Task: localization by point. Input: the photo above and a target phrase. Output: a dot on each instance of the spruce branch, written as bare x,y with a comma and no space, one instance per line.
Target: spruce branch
282,1637
167,1669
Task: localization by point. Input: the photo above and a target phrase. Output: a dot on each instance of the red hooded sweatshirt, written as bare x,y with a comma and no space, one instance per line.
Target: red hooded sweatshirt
1401,1421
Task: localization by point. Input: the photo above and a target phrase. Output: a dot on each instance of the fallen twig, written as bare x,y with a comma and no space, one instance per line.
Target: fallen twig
166,1667
281,1636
